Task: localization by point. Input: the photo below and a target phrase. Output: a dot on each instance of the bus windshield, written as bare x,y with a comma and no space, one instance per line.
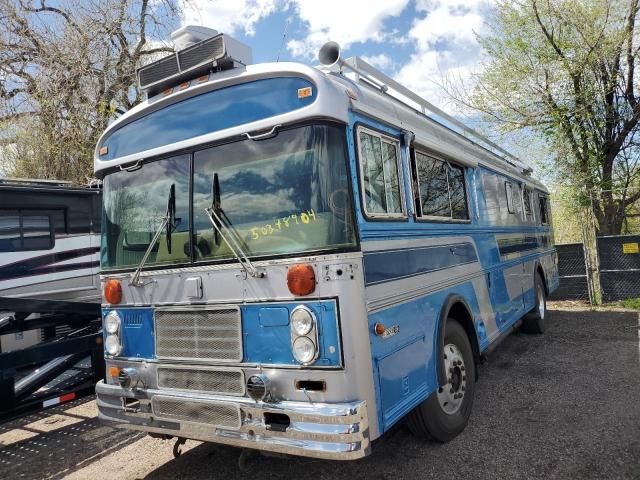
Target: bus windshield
286,194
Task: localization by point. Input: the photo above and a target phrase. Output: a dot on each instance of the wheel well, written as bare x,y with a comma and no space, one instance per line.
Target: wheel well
460,313
540,272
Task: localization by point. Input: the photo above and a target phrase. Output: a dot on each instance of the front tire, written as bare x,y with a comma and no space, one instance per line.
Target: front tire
445,414
534,322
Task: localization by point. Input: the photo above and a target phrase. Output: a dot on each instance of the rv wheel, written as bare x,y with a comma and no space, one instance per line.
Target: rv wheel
533,322
446,412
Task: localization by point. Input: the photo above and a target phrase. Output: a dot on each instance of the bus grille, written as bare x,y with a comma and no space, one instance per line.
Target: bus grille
229,382
194,411
212,334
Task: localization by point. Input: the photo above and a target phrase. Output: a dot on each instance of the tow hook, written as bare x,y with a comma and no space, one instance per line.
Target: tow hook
176,447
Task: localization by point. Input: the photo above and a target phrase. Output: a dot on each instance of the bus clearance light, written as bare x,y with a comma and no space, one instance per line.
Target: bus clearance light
113,291
301,279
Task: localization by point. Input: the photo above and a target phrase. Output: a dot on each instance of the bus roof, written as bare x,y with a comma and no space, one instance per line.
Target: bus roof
370,93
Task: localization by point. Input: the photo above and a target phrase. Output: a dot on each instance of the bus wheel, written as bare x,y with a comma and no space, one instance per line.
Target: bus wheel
533,322
446,412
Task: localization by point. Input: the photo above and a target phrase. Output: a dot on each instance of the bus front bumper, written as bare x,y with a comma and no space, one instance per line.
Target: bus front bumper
337,431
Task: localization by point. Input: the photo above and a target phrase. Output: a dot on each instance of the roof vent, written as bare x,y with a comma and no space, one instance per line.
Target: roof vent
200,50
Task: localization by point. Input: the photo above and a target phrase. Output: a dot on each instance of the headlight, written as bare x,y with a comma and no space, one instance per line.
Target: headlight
112,345
112,322
301,321
304,350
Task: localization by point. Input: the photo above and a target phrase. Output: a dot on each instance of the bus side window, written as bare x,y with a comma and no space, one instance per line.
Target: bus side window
508,189
544,212
526,199
441,188
380,175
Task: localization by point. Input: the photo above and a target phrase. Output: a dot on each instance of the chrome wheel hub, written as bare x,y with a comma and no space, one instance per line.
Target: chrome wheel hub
450,396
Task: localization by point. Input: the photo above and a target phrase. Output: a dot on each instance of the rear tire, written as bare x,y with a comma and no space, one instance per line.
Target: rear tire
445,414
533,322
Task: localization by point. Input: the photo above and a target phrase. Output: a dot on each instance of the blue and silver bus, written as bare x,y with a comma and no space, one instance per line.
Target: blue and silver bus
294,259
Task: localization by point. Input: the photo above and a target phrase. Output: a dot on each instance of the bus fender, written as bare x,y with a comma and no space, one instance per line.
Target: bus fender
537,267
449,302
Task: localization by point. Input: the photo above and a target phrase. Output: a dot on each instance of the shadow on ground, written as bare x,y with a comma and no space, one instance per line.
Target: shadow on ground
55,442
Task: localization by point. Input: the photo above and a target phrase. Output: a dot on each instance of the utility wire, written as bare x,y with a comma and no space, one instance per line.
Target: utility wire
284,36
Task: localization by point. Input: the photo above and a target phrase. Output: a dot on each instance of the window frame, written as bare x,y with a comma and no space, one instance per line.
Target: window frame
508,191
527,193
31,212
418,204
389,139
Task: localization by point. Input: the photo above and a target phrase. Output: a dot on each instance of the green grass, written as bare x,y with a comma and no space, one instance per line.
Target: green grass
632,303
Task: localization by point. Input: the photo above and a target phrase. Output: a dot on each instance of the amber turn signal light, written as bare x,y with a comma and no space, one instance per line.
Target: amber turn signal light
113,291
114,372
379,329
301,279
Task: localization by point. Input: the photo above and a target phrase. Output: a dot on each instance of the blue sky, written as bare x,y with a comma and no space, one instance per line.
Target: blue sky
418,42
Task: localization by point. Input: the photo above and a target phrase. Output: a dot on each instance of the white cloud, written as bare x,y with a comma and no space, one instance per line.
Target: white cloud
446,49
345,22
381,61
228,16
445,22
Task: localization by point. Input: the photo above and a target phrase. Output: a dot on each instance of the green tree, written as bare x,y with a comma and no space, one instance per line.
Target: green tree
67,68
567,70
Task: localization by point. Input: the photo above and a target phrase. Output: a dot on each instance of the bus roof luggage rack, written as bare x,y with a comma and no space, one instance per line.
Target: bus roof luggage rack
369,75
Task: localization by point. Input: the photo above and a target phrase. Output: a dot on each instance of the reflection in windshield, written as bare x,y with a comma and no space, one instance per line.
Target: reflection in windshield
135,205
285,194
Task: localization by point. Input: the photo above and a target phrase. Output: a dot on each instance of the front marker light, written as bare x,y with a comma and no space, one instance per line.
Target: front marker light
304,350
112,322
112,345
302,320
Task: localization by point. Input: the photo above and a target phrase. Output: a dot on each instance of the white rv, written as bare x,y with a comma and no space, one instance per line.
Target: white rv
49,245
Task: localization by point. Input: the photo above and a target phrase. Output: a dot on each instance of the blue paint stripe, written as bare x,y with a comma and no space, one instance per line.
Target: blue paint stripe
522,244
388,265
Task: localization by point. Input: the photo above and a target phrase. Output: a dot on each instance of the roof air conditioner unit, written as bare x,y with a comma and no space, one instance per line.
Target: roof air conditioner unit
201,51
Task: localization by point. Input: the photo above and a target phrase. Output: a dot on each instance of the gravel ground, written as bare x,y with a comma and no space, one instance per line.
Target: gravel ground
562,405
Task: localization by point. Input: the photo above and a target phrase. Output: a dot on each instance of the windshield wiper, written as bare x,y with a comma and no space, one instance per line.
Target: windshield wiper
216,216
167,222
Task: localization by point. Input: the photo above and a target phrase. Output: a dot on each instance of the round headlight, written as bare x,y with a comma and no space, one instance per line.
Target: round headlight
304,350
112,322
112,345
301,321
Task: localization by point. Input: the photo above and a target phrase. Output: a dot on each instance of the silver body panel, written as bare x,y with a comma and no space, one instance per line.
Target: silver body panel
224,285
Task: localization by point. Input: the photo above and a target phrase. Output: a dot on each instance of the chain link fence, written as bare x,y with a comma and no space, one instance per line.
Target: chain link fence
573,273
591,267
619,267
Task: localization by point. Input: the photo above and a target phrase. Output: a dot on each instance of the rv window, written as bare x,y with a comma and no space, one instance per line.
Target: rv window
508,188
25,230
544,212
457,192
9,231
36,232
526,197
380,176
441,189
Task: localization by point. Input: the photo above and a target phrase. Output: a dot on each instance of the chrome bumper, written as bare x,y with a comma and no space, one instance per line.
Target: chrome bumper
320,430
